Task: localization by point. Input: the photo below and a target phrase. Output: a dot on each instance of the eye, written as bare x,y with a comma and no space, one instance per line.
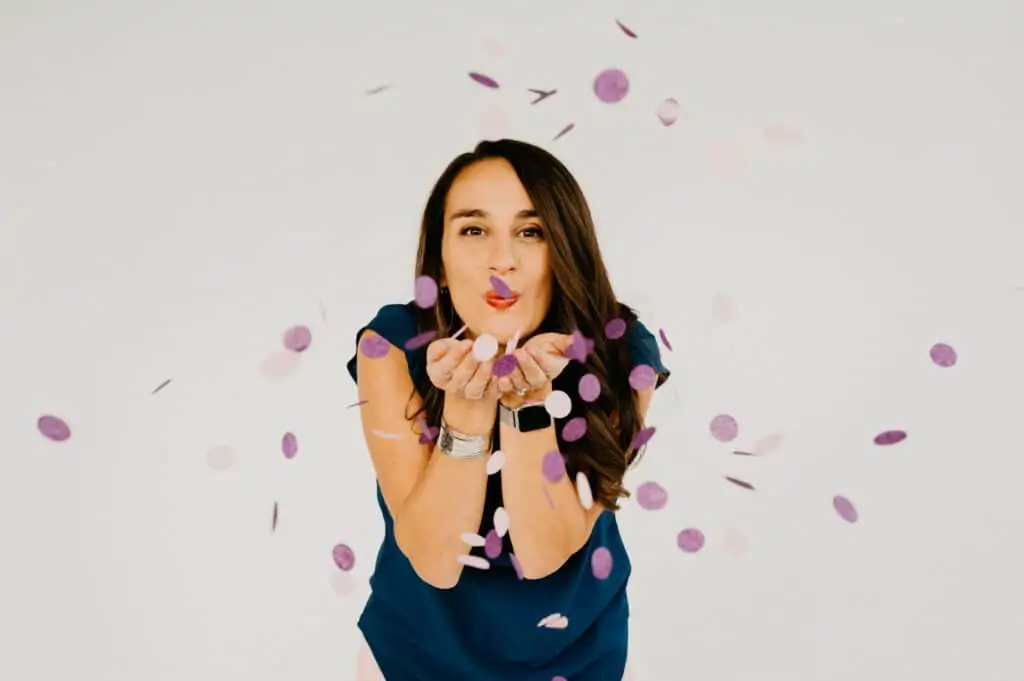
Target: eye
533,232
471,231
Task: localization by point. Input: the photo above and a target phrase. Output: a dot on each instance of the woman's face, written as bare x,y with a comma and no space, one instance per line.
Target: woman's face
490,228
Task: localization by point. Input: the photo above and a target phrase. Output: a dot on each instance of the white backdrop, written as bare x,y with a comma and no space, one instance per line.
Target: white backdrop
841,191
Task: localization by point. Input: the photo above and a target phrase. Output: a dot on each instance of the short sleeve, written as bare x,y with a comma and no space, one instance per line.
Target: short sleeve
394,323
643,349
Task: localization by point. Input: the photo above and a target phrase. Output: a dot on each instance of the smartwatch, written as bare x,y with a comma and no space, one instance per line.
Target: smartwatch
525,418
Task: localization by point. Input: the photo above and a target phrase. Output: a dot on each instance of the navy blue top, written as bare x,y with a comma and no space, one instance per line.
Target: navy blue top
485,628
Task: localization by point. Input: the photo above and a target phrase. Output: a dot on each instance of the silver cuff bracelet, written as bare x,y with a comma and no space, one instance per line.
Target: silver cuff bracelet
461,446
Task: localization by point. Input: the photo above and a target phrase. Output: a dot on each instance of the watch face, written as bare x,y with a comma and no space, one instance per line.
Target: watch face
533,417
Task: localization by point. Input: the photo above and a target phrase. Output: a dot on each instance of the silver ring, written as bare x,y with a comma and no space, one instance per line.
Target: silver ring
521,392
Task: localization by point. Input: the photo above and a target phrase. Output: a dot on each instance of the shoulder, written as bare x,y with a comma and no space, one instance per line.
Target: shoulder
395,322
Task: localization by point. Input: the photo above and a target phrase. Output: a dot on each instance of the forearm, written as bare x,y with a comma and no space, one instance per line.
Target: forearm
447,501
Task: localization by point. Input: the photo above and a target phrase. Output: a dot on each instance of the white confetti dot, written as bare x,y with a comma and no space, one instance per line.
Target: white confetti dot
474,562
485,347
555,620
473,539
495,462
500,521
558,404
583,491
342,583
221,458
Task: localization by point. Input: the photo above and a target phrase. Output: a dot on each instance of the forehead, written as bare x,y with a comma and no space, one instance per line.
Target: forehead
490,185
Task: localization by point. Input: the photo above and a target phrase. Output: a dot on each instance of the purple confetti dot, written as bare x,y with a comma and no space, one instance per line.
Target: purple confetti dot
289,445
419,340
664,339
553,466
425,291
53,427
589,388
517,566
297,338
615,329
500,287
574,429
601,562
611,85
559,678
690,540
505,365
724,428
486,81
651,496
890,437
943,355
844,507
344,557
492,545
374,347
642,437
642,377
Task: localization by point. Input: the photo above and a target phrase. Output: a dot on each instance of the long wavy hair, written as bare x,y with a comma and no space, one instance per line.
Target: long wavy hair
582,299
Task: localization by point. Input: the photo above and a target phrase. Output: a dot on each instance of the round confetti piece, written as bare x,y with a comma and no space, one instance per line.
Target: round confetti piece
505,365
297,338
517,566
486,81
558,404
724,428
601,562
642,437
642,377
425,291
492,545
280,365
615,329
289,445
690,540
890,437
574,429
553,466
495,462
611,85
342,583
374,347
767,443
844,507
220,458
668,112
651,496
943,355
344,557
475,562
559,678
500,287
53,428
500,521
419,340
472,539
555,620
589,388
485,347
735,542
583,491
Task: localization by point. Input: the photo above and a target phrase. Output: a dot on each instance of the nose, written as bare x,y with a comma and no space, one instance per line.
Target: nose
503,260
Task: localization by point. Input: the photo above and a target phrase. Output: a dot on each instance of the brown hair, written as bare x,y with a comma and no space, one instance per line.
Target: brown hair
582,299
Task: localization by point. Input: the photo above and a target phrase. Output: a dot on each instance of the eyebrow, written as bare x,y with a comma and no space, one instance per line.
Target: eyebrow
478,213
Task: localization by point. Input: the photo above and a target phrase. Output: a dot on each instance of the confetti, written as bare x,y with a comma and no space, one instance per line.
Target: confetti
625,29
541,95
555,620
53,428
474,562
564,131
161,387
458,333
289,445
739,453
220,458
943,355
724,428
374,347
651,496
386,435
297,338
601,562
495,462
500,287
559,678
500,521
736,481
583,491
344,557
767,444
690,540
844,507
485,347
579,348
517,566
323,311
342,583
642,437
425,291
664,339
273,518
615,329
357,404
642,377
428,433
668,112
735,542
611,85
280,365
486,81
505,365
547,497
492,545
890,437
558,404
419,340
513,342
574,429
553,466
472,539
589,388
378,89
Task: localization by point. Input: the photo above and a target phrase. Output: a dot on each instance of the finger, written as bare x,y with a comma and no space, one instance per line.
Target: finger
504,384
448,364
533,371
476,387
519,382
463,374
439,349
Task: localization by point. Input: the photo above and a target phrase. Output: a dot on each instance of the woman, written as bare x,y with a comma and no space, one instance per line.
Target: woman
508,236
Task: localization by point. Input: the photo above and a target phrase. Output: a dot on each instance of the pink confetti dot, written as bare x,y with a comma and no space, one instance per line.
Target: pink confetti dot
53,428
651,496
844,507
615,329
289,445
553,466
690,540
425,291
890,437
419,340
642,377
611,85
505,365
943,355
724,428
374,347
589,388
517,566
668,112
574,429
486,81
297,338
642,437
492,545
344,557
601,562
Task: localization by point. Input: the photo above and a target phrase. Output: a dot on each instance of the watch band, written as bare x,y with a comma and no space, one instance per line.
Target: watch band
525,418
461,446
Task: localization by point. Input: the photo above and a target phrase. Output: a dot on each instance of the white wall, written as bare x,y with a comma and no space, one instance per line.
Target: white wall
180,185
